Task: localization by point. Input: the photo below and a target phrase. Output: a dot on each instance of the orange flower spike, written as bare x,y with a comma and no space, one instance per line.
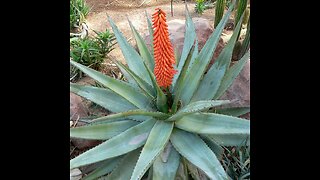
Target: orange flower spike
163,50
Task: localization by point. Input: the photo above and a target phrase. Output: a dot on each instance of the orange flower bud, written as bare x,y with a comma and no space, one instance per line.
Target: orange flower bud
163,50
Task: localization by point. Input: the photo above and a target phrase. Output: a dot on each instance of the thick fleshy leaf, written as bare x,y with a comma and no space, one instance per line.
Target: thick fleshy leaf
128,77
126,166
216,148
198,153
125,142
103,97
102,131
150,34
201,62
211,81
234,111
144,51
211,123
133,114
197,107
230,139
104,168
182,78
231,74
133,59
147,88
122,88
161,100
190,36
166,169
157,140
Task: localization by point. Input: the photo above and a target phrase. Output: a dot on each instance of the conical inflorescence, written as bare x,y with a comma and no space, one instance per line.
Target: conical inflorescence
163,50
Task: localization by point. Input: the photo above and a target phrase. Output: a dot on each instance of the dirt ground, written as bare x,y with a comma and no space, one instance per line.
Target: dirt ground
120,10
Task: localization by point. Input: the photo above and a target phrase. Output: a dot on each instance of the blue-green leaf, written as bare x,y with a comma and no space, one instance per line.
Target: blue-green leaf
231,74
103,97
234,111
126,166
211,123
198,68
166,167
122,88
102,131
105,167
144,51
198,153
123,143
157,140
135,62
211,81
230,139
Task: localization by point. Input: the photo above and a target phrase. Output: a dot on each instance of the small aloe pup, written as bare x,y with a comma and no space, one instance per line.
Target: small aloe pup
167,120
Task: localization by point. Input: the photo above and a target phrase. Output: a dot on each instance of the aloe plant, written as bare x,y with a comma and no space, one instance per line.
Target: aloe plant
162,122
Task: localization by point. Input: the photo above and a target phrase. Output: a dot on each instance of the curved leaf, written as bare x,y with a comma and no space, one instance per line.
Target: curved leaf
210,123
198,153
147,88
190,36
157,140
134,61
233,111
197,107
231,74
104,168
211,81
101,131
132,114
125,168
125,142
198,68
150,34
216,148
120,87
103,97
230,139
166,169
161,100
144,51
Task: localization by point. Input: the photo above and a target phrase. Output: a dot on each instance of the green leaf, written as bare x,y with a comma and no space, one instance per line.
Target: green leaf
132,114
196,173
234,111
230,139
103,97
147,88
177,88
166,169
101,131
190,36
201,62
126,166
144,51
150,33
157,140
125,142
197,107
216,148
198,153
122,88
135,62
161,100
104,168
211,81
231,74
210,123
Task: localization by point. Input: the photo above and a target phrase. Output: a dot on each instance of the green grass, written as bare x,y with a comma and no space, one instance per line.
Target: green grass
78,11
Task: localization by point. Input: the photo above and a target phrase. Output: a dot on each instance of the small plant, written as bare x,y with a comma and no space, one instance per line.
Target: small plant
236,161
91,51
220,6
78,11
200,6
162,119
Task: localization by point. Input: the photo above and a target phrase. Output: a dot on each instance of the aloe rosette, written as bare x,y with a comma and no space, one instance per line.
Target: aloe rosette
167,116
